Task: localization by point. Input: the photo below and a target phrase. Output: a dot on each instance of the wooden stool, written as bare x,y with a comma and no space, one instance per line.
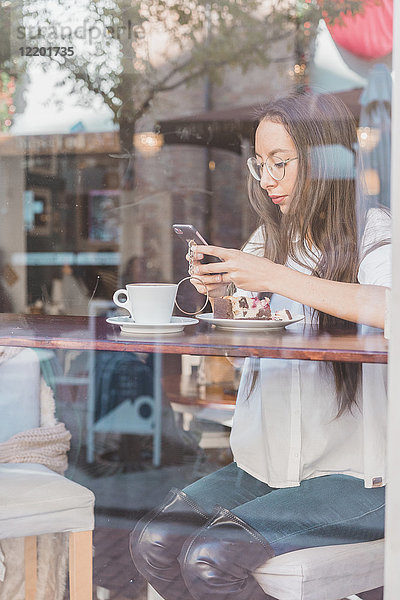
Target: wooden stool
323,573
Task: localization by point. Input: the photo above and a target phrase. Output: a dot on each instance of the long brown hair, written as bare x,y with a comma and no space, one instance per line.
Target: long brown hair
327,214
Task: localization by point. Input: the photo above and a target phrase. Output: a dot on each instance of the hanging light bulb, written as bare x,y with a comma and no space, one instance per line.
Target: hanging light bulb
148,143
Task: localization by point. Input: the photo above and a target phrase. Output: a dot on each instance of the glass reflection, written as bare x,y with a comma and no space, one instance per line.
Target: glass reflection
151,119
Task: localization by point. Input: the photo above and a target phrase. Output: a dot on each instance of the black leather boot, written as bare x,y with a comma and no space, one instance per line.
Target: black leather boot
218,560
157,540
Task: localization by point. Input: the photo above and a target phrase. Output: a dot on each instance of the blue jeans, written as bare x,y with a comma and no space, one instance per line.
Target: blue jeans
333,509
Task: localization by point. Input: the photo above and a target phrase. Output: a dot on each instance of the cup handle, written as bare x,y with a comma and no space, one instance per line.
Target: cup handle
116,301
181,309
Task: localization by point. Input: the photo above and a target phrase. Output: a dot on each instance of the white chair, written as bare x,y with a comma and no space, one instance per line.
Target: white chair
323,573
35,500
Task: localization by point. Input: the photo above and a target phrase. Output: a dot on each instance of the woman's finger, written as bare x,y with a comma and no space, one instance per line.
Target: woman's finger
209,279
213,268
204,289
210,282
222,253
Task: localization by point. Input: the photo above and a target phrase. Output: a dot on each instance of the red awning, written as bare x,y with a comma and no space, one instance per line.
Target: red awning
368,35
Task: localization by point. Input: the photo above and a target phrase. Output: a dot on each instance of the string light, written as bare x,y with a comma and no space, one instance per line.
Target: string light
368,137
7,107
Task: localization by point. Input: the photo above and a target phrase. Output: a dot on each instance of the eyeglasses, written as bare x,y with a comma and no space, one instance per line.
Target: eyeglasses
276,167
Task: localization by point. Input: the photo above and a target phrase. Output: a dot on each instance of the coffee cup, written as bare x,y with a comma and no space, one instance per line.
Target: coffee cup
148,303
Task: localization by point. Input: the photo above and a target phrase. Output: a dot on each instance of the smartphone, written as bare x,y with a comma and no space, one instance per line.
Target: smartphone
188,233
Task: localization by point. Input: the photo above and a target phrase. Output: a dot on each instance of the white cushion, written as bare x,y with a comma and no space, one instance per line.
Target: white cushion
323,573
36,500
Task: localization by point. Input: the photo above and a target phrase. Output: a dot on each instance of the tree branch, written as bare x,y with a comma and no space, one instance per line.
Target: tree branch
206,66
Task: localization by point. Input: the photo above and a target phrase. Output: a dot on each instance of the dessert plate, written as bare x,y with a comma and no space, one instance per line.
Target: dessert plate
248,324
128,325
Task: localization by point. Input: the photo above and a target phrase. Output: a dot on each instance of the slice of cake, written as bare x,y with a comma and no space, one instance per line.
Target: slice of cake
241,307
282,315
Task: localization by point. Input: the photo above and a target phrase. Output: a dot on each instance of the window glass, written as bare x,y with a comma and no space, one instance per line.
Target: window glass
120,119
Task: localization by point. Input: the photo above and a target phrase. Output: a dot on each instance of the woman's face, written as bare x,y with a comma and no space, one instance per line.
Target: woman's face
273,143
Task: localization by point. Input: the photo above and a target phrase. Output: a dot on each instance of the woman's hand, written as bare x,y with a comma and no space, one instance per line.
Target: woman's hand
350,301
246,271
211,284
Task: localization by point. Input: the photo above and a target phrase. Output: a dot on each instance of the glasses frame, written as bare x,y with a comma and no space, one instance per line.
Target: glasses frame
264,164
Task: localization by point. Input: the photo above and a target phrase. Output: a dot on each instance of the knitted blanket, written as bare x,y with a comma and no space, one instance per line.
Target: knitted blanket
43,445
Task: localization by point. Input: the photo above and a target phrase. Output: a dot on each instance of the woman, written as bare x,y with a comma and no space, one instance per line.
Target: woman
308,438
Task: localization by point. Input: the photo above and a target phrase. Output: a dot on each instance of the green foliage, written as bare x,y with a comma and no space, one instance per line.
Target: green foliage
129,51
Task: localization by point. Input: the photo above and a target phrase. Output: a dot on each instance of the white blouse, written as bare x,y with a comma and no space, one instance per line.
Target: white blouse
287,429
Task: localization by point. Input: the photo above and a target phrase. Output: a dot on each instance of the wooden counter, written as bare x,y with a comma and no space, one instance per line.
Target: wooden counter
298,341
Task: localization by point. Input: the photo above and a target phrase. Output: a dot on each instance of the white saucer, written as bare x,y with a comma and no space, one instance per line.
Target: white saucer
129,326
248,324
